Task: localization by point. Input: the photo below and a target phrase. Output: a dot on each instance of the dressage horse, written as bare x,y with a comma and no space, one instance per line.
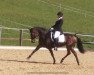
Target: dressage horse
45,41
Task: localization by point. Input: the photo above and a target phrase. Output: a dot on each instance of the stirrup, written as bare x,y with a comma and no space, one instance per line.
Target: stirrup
55,48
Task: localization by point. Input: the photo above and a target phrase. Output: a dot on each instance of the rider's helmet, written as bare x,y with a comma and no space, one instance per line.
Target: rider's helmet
60,14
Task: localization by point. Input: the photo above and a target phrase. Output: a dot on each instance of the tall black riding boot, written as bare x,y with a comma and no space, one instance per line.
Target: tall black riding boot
55,44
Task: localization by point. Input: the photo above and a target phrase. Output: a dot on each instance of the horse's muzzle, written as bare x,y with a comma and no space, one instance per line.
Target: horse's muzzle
33,41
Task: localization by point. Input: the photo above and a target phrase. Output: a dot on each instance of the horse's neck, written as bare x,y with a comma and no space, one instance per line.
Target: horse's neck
42,31
42,34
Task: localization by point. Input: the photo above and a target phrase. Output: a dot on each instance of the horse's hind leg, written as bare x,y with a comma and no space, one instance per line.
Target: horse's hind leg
37,48
75,54
68,53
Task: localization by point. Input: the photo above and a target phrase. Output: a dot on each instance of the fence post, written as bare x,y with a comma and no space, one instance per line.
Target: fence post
21,34
0,34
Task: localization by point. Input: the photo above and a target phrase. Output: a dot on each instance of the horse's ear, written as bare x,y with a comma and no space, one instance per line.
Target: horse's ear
30,28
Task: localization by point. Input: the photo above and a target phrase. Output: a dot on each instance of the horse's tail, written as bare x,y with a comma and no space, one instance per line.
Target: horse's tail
80,45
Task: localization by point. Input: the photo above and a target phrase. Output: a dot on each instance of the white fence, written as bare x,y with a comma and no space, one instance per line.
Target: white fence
21,31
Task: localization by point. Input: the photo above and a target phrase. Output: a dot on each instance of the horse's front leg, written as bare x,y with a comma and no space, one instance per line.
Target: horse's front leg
36,49
52,56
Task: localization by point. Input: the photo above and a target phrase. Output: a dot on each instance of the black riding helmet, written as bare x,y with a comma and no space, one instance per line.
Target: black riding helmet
60,14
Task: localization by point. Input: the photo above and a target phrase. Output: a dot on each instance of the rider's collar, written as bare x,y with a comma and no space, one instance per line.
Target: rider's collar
60,18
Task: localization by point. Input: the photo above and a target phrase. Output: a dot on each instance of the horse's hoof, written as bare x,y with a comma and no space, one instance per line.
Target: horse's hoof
54,62
61,61
28,58
78,64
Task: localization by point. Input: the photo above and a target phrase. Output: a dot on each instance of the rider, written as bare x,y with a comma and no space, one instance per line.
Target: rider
57,28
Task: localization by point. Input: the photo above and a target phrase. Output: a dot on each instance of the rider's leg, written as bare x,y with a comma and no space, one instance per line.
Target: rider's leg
55,43
56,35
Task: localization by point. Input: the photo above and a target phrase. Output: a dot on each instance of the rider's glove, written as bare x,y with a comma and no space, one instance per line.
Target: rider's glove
51,29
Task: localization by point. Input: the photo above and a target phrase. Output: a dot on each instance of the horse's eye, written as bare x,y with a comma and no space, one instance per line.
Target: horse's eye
33,33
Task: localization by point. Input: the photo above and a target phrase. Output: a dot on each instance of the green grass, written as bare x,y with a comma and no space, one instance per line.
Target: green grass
29,13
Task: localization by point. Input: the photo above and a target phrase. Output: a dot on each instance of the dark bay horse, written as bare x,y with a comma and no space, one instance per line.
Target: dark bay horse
45,41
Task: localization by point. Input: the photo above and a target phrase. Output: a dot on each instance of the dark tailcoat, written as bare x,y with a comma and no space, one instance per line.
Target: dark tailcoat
58,25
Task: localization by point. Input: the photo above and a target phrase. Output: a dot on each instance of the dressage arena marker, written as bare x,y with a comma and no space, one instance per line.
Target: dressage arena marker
27,48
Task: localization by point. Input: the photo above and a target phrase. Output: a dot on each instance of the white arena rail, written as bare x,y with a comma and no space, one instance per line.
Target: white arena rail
26,48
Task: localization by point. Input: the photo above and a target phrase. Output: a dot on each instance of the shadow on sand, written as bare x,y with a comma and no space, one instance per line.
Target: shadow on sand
23,61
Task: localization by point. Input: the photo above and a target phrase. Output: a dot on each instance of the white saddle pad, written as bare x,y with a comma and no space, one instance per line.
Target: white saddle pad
61,38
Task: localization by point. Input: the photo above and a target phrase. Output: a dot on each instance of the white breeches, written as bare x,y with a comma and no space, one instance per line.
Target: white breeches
57,34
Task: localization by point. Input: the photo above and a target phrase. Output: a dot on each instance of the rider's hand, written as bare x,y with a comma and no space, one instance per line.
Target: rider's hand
51,29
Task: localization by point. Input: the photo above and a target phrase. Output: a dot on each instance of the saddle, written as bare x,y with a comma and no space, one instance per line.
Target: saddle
61,38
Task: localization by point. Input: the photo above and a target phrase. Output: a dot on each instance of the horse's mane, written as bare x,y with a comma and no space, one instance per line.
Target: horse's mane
41,28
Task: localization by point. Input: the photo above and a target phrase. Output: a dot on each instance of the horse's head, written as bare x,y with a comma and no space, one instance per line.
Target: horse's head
35,32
